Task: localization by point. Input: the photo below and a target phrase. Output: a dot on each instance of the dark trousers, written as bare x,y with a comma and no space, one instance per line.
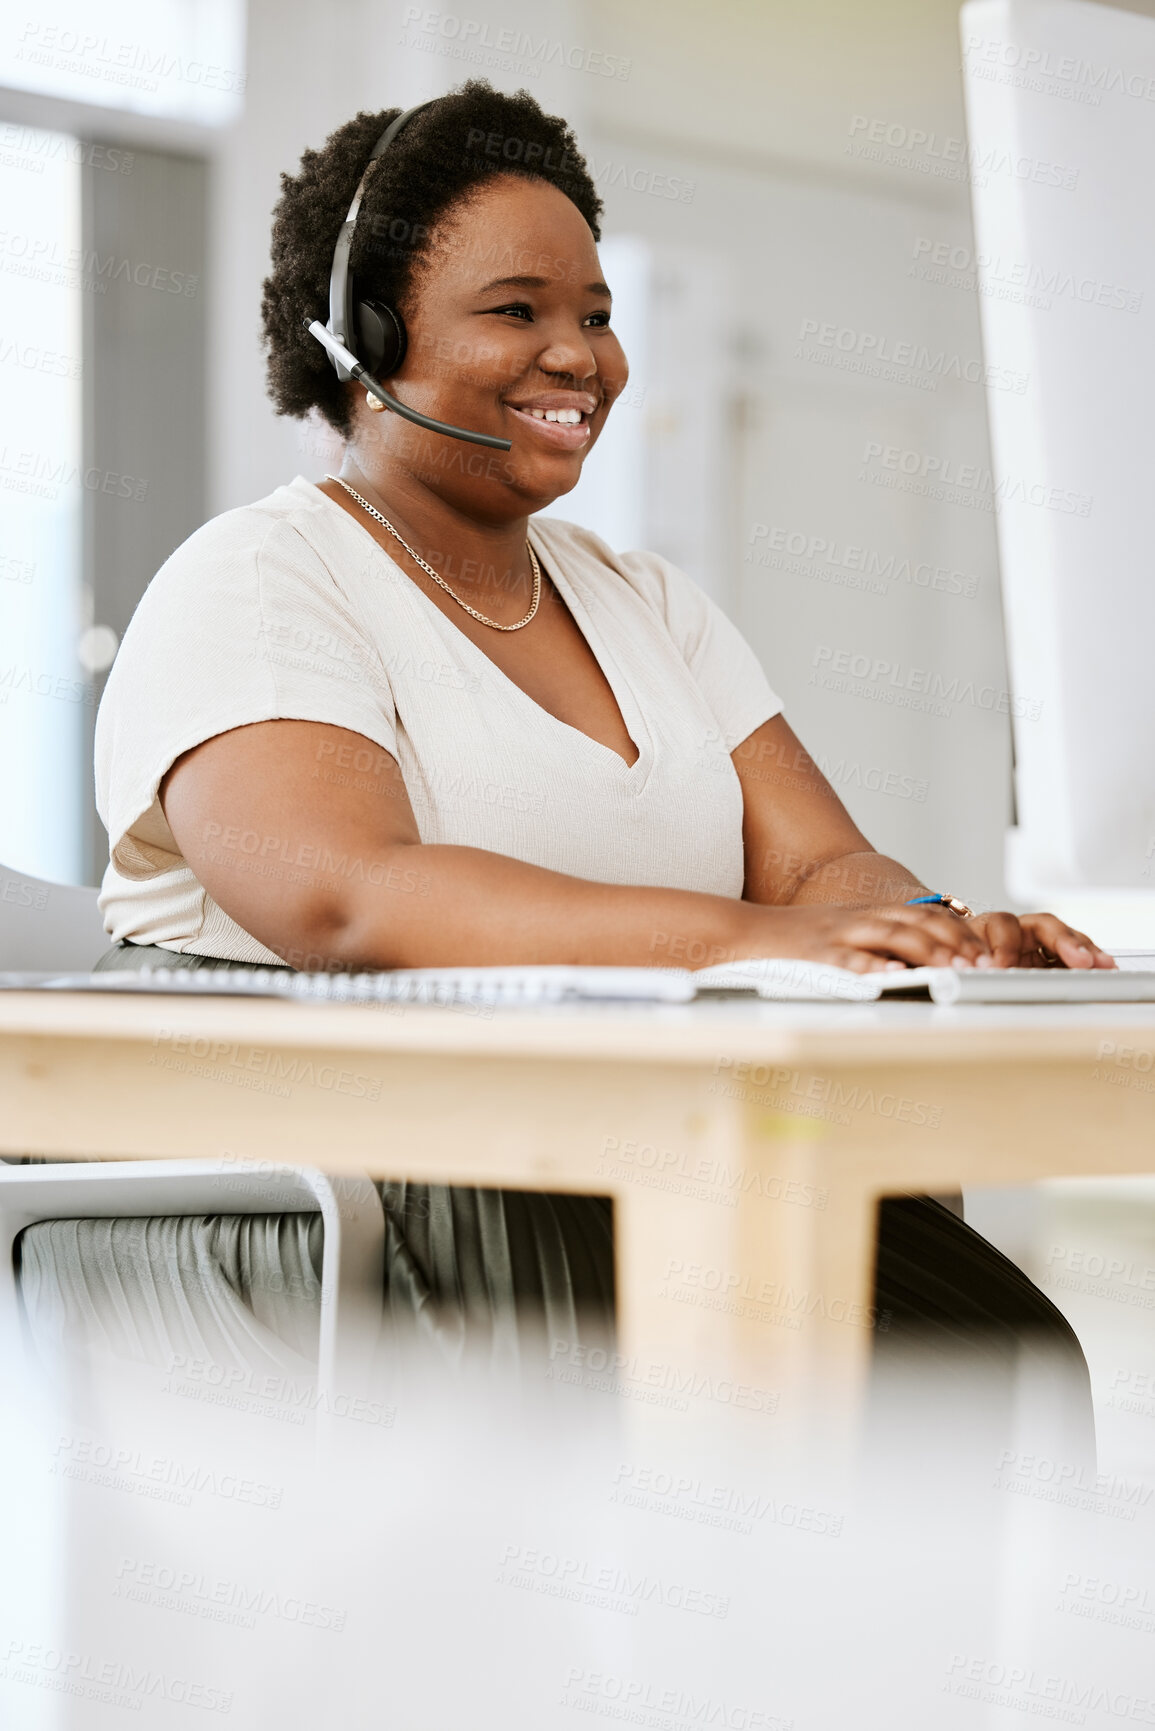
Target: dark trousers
970,1358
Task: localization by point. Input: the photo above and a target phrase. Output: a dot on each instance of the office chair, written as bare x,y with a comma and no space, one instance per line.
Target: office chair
48,926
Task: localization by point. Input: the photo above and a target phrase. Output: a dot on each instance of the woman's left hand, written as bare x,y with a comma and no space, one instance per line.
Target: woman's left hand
1036,941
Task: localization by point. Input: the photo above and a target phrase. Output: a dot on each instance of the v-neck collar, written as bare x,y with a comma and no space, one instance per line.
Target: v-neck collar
636,774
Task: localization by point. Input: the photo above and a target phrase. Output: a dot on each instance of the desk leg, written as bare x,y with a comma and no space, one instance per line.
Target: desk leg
769,1286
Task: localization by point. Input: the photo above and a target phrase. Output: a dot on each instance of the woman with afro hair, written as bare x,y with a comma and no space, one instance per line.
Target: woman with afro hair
397,718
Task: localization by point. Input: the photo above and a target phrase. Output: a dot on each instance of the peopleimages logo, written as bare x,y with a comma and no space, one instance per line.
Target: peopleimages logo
1028,283
937,477
295,1071
26,146
896,145
477,39
1069,1482
884,681
691,1499
16,679
741,1294
114,1682
799,1086
639,1701
219,1600
1027,1690
655,1383
133,65
159,1477
1106,1601
606,1586
1040,68
909,362
844,563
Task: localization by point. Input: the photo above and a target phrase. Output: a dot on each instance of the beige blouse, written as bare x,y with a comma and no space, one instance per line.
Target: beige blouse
288,608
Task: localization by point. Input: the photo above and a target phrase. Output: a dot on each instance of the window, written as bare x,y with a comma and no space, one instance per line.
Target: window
45,692
183,59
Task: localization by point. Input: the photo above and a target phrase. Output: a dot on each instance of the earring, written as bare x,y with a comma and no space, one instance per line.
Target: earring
374,403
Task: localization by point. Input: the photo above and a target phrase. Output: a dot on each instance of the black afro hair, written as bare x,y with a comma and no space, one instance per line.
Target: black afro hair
442,155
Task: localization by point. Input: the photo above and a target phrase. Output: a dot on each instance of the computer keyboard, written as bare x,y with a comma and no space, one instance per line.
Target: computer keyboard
787,980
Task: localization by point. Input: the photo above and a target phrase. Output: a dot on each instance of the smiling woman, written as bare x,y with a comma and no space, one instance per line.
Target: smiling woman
397,718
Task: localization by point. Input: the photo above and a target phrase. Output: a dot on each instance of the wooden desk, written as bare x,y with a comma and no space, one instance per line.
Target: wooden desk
745,1145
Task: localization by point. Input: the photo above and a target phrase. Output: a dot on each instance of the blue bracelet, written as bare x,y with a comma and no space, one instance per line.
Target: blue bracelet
952,902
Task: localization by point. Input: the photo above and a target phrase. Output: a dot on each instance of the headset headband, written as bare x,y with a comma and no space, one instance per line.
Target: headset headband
339,338
341,324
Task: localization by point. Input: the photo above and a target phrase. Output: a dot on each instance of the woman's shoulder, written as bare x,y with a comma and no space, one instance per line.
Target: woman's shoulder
583,554
244,575
678,610
285,522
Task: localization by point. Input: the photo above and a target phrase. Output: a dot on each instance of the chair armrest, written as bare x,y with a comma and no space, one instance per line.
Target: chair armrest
352,1260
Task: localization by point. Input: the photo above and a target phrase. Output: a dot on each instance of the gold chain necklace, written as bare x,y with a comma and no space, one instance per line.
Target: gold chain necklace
440,581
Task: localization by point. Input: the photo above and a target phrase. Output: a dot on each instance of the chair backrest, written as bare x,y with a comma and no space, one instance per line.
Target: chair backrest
45,925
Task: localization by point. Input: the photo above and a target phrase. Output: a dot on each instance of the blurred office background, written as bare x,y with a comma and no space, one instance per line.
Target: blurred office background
788,235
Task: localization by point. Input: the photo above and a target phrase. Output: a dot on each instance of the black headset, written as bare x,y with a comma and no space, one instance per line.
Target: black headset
367,337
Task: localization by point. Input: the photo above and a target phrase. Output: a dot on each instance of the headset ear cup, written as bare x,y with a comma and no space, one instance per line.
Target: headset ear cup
381,338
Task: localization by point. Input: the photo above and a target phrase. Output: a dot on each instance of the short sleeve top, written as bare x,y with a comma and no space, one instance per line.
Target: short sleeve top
290,609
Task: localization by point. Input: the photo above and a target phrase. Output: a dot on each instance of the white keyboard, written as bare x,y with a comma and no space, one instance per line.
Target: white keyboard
786,980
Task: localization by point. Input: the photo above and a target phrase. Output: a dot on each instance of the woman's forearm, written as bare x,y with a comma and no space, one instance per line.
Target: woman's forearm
333,873
439,906
856,880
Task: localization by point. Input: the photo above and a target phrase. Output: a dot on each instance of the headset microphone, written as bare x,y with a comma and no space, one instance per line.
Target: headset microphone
354,370
364,337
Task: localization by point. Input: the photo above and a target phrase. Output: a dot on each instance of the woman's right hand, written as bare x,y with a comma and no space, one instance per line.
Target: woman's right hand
865,940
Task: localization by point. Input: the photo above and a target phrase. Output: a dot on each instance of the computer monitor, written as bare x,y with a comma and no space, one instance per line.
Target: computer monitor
1060,99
